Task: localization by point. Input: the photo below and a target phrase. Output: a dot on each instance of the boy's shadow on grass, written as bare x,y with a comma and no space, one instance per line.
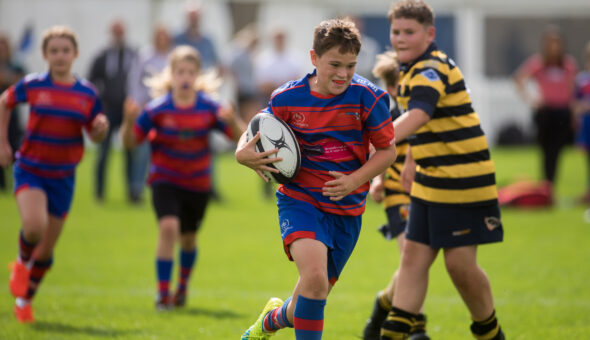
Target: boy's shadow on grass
216,314
57,327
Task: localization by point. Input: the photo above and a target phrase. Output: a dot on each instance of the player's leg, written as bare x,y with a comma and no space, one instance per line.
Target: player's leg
57,197
168,233
187,258
304,311
193,206
474,287
32,206
410,290
412,280
382,304
167,207
311,291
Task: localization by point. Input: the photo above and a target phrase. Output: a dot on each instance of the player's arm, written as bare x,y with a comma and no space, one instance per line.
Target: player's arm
521,77
99,128
131,111
343,184
258,161
409,122
5,149
377,188
228,115
408,171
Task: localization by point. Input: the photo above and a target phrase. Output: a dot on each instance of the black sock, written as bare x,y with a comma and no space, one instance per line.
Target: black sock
487,329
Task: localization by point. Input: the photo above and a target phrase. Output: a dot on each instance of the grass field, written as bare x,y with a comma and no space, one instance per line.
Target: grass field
102,284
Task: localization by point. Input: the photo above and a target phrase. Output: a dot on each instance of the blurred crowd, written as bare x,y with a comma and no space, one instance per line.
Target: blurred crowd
119,70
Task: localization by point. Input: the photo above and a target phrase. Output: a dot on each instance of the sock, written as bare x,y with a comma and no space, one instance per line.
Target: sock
488,329
38,270
398,324
187,261
419,324
164,272
308,318
25,248
381,308
277,318
21,303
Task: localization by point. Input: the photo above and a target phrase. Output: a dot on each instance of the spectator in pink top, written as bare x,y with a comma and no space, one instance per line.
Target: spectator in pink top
553,72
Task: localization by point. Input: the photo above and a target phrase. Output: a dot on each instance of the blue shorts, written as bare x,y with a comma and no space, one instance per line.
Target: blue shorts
59,191
299,219
583,137
448,227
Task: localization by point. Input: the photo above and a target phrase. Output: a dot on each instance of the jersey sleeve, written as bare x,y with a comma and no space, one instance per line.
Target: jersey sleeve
379,124
96,110
426,87
143,125
221,125
16,94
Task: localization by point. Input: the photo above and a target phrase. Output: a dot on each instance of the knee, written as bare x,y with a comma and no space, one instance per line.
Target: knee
169,229
33,227
315,284
457,270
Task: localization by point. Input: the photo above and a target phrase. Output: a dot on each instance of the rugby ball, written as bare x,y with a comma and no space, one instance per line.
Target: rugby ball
275,133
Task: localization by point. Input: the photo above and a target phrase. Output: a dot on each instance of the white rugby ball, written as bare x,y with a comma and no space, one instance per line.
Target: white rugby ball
275,133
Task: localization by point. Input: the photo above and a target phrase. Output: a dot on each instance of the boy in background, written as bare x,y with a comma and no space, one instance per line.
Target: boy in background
454,205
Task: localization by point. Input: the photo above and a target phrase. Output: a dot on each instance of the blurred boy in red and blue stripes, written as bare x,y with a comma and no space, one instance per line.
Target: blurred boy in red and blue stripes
61,105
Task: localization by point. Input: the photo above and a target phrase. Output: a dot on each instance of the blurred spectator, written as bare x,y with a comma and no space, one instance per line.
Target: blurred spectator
109,72
150,61
582,112
192,36
10,73
273,68
241,66
276,66
369,50
553,71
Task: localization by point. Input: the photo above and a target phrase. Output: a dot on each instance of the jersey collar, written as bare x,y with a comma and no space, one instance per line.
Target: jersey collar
404,67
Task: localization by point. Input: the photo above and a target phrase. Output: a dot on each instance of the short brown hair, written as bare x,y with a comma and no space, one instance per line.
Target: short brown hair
412,9
387,68
336,32
59,32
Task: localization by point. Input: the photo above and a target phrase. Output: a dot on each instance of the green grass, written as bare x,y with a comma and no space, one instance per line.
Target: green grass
102,284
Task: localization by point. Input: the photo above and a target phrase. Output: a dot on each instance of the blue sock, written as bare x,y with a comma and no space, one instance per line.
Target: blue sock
277,318
163,272
187,261
308,318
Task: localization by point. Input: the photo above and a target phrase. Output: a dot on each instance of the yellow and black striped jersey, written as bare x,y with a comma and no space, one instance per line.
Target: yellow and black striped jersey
394,191
451,150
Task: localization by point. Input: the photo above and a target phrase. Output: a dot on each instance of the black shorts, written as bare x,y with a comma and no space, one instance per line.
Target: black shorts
397,219
189,206
447,227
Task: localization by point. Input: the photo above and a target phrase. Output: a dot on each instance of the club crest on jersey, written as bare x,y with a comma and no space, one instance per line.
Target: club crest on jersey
356,115
430,75
298,119
44,98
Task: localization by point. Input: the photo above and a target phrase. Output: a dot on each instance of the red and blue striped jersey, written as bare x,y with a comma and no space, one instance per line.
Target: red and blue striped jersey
53,144
334,134
180,153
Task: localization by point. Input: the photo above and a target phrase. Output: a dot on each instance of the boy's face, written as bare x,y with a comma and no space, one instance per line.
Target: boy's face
410,39
334,71
60,54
